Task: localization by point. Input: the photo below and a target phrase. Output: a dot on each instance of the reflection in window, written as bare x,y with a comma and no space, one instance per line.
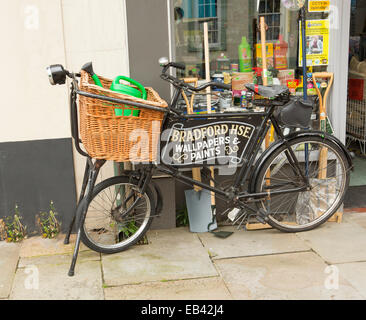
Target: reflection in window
229,22
271,9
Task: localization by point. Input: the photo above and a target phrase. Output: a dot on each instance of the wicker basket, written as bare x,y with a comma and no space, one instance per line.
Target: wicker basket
119,138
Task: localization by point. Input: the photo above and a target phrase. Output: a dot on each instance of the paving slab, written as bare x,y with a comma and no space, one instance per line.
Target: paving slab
285,276
51,282
251,243
355,217
337,242
38,246
193,289
355,274
9,256
170,255
58,259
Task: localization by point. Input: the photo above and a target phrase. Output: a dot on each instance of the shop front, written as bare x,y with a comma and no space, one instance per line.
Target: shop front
235,50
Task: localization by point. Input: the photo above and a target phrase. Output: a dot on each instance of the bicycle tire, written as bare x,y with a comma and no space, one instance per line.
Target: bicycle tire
272,221
110,249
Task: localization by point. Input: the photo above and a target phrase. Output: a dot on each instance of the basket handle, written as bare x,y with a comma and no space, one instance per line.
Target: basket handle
134,82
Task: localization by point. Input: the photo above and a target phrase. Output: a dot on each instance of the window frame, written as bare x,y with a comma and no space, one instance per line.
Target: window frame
221,21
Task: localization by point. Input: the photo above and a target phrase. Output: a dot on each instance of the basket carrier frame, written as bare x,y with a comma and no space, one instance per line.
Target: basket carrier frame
92,168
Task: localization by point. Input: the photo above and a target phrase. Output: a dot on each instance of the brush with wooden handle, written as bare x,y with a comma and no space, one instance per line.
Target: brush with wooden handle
196,172
323,154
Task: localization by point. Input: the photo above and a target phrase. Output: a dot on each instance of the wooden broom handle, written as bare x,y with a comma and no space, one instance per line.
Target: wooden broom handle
264,50
196,172
208,91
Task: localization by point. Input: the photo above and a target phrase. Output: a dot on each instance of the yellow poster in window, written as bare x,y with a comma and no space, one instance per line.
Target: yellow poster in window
317,43
319,5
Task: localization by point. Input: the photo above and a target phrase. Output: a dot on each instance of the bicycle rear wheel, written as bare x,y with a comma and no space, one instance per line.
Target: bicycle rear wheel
328,171
114,220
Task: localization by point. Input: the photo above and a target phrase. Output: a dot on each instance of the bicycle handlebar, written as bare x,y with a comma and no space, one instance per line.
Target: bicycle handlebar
183,85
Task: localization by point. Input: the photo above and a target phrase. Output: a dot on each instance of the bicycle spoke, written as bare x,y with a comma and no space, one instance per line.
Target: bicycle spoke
305,207
107,224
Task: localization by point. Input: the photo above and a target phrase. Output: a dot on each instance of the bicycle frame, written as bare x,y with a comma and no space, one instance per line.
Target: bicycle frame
143,177
248,161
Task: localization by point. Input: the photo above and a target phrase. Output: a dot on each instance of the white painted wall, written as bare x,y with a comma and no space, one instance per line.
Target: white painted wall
95,31
31,38
37,33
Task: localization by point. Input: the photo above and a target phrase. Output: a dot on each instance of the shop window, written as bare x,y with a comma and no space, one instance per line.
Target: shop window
210,9
271,9
230,22
194,12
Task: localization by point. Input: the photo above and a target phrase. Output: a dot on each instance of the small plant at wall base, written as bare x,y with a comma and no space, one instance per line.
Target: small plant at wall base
182,217
2,230
15,231
48,223
128,229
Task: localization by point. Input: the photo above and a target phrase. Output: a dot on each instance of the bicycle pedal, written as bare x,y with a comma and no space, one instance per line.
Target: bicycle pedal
262,216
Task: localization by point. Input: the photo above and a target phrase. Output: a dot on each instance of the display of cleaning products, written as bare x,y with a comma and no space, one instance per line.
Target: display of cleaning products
269,54
280,54
222,64
234,67
245,56
243,99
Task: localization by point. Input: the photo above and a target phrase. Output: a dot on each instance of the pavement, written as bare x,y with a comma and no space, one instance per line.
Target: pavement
323,264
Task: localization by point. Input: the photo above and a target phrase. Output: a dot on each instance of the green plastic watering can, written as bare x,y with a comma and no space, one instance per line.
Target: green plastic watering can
138,92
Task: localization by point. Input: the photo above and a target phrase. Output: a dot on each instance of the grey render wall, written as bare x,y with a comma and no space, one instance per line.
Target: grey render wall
148,40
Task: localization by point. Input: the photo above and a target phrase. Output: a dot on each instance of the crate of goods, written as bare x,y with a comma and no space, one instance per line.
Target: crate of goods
286,75
108,136
239,80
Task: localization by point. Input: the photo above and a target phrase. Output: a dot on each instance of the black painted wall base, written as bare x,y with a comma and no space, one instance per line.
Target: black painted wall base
32,173
355,197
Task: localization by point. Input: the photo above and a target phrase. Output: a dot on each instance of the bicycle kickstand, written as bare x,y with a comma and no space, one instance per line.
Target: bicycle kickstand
93,174
82,193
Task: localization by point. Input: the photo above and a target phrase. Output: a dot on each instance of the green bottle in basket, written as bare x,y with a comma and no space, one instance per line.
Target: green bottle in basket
139,92
88,67
121,88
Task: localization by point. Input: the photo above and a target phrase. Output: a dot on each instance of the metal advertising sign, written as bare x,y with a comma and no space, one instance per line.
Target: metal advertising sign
208,142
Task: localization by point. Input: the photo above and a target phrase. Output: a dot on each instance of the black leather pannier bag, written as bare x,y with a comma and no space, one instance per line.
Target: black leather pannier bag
296,113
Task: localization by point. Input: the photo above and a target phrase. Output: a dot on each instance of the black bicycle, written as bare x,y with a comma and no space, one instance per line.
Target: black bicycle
290,186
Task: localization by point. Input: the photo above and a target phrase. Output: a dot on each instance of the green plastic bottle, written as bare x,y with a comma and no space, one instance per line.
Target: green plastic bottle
245,56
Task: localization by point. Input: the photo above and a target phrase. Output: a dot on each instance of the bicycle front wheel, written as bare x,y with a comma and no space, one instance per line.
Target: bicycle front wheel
118,215
325,166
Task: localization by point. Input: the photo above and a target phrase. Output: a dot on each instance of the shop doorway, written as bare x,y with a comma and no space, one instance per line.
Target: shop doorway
356,105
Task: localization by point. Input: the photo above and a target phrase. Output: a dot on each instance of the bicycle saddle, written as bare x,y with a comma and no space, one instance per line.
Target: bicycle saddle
268,92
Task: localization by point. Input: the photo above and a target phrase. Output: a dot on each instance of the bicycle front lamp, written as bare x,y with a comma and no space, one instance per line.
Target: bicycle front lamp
56,74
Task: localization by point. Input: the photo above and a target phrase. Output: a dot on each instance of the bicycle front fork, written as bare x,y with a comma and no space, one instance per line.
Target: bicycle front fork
90,175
